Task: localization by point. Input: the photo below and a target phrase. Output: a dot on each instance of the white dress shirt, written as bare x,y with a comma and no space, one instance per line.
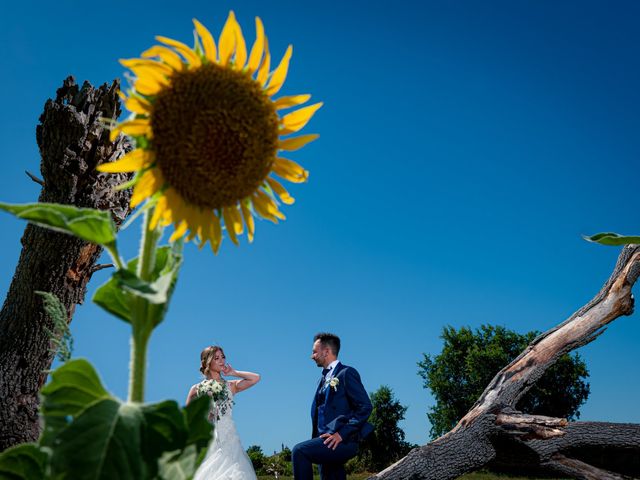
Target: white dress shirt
331,367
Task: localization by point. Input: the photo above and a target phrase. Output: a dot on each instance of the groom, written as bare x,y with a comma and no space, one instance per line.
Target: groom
339,413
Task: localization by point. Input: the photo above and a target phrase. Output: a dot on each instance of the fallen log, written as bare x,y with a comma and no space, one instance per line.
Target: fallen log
494,434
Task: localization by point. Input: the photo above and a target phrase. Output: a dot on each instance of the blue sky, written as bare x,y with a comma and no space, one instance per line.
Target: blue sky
465,148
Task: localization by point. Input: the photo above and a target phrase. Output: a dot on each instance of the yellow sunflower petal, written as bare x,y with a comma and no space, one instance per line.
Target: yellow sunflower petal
131,127
148,72
258,47
194,218
215,233
280,73
290,170
237,219
208,42
227,41
292,144
248,220
148,86
189,55
229,222
133,161
295,121
158,212
151,64
150,182
290,101
165,207
263,71
179,231
206,231
280,191
137,105
262,210
267,202
165,54
241,49
196,231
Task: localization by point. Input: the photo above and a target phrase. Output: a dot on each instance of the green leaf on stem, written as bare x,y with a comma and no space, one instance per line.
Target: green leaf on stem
179,465
165,428
610,238
73,387
117,294
103,442
134,284
200,429
114,299
24,462
163,277
91,225
92,435
182,464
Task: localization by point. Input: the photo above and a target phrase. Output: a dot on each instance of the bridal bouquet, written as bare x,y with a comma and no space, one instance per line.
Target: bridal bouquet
219,393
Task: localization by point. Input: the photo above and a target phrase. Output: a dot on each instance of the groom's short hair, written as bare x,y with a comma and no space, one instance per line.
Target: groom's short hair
329,340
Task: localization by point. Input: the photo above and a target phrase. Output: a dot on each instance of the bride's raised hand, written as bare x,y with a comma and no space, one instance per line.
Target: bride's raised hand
229,370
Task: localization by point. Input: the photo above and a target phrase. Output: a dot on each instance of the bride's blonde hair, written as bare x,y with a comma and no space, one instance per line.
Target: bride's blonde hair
206,356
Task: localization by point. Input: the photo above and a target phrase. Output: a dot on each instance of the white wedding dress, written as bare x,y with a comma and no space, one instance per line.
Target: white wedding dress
225,458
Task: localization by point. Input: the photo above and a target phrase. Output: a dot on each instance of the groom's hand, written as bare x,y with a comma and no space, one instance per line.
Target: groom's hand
331,440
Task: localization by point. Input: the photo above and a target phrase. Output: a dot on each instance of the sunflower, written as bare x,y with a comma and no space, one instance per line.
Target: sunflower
208,134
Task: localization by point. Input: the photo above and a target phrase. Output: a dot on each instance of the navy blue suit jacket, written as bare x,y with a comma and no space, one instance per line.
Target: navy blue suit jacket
347,407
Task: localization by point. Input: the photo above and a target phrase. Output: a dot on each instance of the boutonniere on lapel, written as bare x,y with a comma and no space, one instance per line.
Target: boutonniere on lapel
333,383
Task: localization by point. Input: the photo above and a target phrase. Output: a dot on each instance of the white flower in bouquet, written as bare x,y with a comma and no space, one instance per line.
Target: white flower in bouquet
219,393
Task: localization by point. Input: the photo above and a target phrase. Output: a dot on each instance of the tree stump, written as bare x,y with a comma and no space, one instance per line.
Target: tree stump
73,139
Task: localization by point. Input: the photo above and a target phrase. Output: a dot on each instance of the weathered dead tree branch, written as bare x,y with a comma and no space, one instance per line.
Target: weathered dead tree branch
494,434
73,140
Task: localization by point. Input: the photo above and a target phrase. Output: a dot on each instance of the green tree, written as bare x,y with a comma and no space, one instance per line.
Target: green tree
257,457
386,444
468,362
279,464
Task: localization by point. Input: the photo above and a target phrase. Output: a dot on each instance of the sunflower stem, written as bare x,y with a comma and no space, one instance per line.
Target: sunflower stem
141,324
138,366
147,256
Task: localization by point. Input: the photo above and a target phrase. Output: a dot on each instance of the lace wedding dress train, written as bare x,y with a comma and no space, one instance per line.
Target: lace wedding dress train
225,458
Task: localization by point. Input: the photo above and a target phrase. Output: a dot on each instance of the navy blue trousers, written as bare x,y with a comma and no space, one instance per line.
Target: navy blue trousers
331,462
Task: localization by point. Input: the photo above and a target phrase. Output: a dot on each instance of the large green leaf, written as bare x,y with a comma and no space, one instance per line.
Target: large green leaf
24,462
179,465
103,442
95,226
200,429
610,238
158,289
117,295
73,387
182,464
165,275
114,299
165,429
92,435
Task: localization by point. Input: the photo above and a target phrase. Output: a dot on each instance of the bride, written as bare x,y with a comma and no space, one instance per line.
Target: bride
225,458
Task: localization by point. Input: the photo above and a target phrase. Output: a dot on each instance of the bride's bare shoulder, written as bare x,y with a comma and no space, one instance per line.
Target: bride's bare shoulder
193,392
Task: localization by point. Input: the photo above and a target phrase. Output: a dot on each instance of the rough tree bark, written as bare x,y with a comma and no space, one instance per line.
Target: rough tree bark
73,140
494,434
